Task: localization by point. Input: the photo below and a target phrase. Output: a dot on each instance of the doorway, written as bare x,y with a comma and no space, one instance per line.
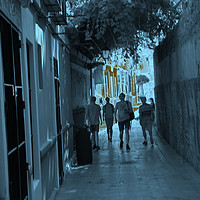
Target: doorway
58,119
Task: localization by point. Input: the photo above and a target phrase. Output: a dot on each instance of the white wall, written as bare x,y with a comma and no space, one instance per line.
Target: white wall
177,91
28,35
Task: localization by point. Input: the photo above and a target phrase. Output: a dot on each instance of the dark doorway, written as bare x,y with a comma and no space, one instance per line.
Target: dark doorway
58,119
14,111
29,49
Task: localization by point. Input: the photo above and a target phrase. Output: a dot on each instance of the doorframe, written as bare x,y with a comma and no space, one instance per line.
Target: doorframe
4,189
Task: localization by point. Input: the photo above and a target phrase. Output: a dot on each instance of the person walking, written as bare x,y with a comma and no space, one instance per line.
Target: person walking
152,104
146,117
124,108
153,109
93,115
108,113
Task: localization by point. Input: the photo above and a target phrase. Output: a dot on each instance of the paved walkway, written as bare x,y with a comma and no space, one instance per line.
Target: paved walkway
143,173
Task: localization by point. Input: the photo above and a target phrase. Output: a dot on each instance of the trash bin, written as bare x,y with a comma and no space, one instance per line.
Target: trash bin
83,146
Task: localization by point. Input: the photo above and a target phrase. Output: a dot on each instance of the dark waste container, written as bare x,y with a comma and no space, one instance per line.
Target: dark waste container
83,146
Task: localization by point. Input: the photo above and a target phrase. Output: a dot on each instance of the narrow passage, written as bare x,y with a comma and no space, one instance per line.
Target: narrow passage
143,173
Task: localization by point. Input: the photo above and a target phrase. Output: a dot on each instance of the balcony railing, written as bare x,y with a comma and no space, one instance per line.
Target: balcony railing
53,5
57,9
60,18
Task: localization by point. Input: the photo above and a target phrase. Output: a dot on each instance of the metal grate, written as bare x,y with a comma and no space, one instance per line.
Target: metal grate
14,106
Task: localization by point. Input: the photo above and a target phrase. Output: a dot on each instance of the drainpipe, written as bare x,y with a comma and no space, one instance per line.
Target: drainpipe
91,81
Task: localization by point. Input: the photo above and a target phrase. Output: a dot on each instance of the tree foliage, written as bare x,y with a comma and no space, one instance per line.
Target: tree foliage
141,79
123,23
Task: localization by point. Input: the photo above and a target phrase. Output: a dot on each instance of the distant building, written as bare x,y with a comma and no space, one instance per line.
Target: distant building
117,78
121,77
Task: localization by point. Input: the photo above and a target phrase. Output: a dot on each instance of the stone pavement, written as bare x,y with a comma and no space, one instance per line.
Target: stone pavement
143,173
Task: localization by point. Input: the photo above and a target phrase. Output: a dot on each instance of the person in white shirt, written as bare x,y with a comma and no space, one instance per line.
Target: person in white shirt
123,108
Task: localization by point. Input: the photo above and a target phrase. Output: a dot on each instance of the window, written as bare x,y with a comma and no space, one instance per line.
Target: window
40,67
111,86
106,86
122,81
118,84
130,83
39,40
115,87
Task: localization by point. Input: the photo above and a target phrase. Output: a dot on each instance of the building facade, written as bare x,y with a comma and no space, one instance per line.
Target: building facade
117,78
37,71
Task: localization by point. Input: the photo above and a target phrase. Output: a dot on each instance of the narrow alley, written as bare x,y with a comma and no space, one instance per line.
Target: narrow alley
143,173
68,64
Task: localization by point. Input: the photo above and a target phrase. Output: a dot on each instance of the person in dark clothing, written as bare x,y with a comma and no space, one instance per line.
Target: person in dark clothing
153,108
93,115
152,104
108,116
